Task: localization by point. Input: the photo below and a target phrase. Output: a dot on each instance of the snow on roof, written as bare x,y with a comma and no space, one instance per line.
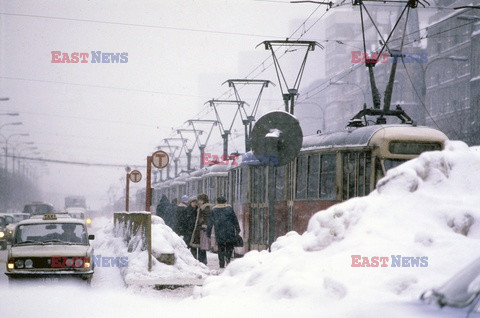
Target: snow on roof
426,208
219,170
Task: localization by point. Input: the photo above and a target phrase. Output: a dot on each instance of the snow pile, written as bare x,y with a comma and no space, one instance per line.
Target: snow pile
426,208
164,241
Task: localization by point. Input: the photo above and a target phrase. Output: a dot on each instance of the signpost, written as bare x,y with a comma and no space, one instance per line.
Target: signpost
160,160
134,176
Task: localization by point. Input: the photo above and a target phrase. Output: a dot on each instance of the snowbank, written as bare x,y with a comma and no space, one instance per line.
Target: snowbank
427,208
164,240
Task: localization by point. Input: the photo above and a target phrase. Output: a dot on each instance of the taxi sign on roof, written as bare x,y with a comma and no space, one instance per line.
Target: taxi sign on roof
49,217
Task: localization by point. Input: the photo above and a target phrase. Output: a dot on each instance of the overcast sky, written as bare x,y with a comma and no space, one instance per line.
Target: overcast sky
179,53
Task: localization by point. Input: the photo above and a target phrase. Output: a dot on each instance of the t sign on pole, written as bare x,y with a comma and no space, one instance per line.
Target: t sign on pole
160,160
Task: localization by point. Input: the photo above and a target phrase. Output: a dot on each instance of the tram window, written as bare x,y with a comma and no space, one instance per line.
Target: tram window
313,176
349,171
328,167
364,163
243,180
412,148
279,183
301,180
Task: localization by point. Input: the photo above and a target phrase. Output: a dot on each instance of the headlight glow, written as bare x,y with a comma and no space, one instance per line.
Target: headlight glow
10,265
89,221
28,263
2,234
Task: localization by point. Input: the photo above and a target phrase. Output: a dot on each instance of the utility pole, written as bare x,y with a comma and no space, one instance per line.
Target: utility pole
289,92
214,103
202,145
248,118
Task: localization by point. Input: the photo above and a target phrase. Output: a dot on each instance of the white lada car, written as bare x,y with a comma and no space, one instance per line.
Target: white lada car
50,245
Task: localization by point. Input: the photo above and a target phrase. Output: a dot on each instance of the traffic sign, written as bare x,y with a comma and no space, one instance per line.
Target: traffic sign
135,176
160,159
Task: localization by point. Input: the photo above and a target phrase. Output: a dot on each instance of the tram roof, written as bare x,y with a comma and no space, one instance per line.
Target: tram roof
356,137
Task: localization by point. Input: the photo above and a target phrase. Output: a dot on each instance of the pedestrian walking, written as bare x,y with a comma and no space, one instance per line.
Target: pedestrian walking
199,237
188,223
225,223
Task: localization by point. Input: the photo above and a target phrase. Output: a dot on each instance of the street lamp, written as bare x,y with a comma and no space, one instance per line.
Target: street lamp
6,144
322,107
354,84
11,124
18,153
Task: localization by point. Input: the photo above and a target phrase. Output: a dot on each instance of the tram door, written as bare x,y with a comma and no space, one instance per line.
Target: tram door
258,208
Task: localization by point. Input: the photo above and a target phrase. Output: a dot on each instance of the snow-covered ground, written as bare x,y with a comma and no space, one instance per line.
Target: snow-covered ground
427,209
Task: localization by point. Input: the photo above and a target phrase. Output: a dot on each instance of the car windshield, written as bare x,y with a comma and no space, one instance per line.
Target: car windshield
55,233
37,209
2,222
459,291
9,219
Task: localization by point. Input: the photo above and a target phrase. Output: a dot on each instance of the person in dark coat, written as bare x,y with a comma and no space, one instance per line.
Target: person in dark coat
171,214
225,223
181,217
186,223
162,207
199,237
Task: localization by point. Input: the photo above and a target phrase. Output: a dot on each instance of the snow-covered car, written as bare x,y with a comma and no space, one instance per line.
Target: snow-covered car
51,245
458,297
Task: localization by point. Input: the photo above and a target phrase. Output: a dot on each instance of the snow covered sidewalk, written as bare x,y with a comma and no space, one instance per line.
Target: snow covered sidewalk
185,271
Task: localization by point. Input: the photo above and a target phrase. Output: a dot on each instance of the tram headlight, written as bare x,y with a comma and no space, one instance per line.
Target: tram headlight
2,234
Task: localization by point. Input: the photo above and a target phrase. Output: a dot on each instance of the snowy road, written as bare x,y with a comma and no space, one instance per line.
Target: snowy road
3,264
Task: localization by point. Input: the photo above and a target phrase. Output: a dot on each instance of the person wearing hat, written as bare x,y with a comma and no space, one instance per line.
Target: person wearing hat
180,224
225,222
199,237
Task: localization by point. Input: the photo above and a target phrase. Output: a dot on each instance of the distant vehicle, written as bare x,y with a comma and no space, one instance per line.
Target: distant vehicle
51,245
79,213
12,219
76,201
3,233
38,208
